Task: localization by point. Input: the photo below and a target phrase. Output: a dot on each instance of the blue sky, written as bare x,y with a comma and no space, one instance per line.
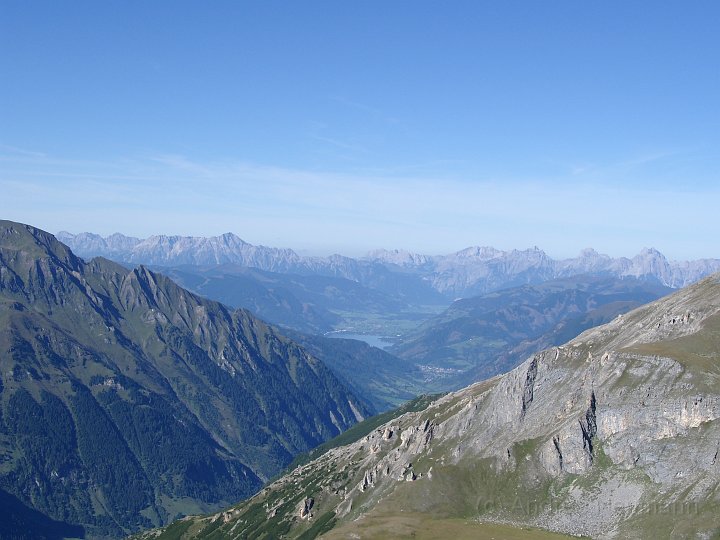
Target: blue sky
347,126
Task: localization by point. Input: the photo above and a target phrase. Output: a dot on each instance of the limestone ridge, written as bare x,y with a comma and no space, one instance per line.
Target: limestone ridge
469,272
125,400
614,434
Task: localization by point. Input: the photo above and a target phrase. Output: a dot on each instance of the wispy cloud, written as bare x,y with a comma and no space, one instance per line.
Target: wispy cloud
356,105
618,169
327,210
340,144
15,151
373,111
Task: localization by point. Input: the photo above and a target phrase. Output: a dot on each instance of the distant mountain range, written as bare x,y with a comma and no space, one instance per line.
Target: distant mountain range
512,303
478,270
613,435
126,400
411,277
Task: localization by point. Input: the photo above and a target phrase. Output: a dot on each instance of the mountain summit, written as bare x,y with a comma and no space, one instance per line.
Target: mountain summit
126,400
470,272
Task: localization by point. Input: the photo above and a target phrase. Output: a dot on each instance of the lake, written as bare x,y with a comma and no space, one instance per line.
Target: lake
381,342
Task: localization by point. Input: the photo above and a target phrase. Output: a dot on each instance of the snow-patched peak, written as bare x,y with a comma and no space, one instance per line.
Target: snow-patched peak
89,244
177,250
588,261
399,257
482,253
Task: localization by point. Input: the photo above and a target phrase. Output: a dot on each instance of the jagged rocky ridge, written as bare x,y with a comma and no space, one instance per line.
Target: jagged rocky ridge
613,435
479,270
125,400
470,272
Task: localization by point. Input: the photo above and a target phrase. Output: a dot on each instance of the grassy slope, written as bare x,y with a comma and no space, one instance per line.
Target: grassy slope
255,520
422,527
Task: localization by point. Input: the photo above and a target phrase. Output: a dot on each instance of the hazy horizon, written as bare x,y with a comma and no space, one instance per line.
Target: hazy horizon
308,252
329,127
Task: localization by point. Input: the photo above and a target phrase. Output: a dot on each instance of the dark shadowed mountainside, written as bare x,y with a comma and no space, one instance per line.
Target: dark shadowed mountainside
386,381
125,400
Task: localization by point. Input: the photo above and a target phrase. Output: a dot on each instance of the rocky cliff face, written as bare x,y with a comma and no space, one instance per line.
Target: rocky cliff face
613,435
125,400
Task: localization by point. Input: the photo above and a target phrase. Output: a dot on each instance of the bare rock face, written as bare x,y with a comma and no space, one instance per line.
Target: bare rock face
304,510
368,480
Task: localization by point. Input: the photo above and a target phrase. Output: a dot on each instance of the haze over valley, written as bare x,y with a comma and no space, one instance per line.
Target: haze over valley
373,270
410,303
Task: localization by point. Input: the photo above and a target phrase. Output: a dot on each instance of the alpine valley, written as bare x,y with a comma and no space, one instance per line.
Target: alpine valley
454,319
614,434
156,379
359,270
